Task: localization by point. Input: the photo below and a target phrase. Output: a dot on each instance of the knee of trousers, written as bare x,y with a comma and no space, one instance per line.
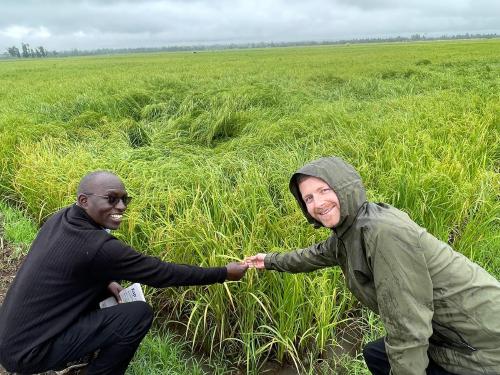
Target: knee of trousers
138,316
143,312
372,351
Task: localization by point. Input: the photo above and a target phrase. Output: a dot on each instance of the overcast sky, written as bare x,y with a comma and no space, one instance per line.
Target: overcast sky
91,24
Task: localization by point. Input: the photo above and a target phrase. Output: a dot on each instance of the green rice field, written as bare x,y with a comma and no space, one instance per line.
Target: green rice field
206,142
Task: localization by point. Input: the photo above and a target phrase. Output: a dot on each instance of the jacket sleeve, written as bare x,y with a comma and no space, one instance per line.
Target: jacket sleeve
117,261
320,255
405,299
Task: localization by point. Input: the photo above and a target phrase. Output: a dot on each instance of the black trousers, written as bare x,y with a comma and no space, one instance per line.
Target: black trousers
115,331
378,363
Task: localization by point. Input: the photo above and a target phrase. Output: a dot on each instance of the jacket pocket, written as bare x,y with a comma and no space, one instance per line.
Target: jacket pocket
449,338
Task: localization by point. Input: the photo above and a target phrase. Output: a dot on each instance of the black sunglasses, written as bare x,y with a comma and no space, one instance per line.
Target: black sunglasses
113,199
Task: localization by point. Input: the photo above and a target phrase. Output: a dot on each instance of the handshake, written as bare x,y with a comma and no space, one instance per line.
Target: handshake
236,270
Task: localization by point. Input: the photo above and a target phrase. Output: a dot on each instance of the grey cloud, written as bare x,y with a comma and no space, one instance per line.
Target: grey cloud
130,23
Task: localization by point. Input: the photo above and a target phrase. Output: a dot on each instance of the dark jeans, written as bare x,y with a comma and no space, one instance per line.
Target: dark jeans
378,363
115,331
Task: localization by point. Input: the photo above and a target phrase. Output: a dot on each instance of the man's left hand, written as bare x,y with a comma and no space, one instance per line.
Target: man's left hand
114,288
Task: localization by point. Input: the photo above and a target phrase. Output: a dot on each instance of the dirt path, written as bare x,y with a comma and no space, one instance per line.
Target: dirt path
8,268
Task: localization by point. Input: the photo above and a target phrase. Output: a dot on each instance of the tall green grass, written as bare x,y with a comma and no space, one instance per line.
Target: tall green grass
162,354
206,143
16,230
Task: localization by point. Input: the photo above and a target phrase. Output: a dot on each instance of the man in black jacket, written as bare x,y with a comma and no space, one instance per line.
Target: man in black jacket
49,317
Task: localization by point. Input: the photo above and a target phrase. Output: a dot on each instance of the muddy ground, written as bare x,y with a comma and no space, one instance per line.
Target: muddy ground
8,267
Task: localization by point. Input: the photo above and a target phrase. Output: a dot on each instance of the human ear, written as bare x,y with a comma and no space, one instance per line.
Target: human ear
82,200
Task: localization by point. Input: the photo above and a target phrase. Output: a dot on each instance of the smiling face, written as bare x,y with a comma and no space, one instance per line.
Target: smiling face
321,201
97,206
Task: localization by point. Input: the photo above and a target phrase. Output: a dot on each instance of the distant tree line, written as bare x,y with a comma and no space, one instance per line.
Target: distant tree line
27,52
208,47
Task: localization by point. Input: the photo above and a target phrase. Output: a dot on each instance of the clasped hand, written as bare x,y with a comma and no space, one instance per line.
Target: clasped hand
256,261
236,270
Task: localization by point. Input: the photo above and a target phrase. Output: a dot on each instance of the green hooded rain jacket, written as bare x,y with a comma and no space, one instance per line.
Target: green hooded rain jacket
432,300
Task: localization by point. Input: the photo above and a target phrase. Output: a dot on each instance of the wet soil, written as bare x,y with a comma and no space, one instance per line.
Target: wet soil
349,336
8,268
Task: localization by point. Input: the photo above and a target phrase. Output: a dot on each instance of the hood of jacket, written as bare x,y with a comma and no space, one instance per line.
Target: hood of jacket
345,182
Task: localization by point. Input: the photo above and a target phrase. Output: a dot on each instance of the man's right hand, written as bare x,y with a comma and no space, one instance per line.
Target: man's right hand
235,270
256,261
114,288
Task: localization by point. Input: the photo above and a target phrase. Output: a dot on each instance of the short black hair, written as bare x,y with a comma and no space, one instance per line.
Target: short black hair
85,183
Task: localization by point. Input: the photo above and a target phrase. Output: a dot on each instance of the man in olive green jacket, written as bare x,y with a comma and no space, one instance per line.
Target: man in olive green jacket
441,311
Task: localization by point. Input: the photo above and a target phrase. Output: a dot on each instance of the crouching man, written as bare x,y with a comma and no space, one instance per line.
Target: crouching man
49,317
440,310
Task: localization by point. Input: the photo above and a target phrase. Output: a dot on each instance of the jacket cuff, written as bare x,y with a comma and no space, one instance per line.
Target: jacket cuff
268,261
222,274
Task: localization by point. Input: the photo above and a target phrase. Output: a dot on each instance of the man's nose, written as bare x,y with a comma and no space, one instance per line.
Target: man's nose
319,203
120,205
